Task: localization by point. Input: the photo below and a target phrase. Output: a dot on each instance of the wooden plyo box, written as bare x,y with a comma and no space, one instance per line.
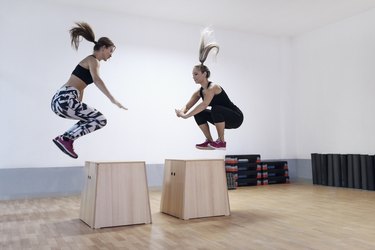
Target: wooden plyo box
194,189
115,194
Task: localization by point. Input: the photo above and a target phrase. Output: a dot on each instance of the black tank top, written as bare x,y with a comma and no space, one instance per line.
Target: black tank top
221,99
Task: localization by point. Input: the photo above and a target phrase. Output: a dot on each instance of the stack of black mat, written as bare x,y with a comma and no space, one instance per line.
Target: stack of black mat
344,170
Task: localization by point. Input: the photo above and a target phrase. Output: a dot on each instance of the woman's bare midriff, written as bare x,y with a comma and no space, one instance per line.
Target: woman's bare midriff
76,83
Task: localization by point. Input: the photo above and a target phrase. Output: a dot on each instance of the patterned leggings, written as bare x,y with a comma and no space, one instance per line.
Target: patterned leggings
65,103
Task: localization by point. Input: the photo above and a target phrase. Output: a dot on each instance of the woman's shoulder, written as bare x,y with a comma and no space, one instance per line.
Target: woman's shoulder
215,87
89,61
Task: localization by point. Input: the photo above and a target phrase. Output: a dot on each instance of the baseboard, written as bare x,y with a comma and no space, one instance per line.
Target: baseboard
21,183
25,183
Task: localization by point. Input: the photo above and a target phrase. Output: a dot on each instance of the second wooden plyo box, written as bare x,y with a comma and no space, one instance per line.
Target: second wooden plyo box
194,189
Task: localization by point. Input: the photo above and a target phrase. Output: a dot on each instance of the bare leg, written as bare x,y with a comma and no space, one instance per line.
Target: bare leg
206,131
220,130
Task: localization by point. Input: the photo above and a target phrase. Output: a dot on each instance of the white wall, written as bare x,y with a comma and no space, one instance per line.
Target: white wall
333,89
150,73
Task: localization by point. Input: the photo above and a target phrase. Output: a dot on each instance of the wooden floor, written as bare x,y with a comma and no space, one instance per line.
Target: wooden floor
283,216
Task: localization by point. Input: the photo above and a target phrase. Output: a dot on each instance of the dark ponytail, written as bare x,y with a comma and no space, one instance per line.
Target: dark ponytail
84,30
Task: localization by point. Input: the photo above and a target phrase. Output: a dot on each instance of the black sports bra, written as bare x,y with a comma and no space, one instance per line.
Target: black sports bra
83,74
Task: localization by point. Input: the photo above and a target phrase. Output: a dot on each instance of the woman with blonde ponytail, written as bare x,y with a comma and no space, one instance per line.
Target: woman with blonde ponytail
67,102
223,113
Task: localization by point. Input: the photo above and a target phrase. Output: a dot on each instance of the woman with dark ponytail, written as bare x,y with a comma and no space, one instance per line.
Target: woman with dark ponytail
223,113
67,102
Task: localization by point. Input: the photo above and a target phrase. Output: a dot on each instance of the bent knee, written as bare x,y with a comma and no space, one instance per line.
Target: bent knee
102,121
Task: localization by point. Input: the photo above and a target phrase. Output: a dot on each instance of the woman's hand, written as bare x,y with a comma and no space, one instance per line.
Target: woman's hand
177,112
181,114
119,105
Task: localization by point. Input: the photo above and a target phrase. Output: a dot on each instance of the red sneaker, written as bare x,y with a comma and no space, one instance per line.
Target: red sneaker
66,146
221,145
204,145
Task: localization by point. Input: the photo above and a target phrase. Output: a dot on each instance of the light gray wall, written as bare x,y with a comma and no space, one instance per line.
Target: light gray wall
333,89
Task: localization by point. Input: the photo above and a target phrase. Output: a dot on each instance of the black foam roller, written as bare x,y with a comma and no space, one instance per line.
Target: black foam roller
350,171
344,170
336,170
319,169
357,171
363,160
314,167
330,169
324,169
370,173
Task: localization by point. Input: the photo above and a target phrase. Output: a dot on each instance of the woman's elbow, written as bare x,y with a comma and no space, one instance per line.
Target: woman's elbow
204,105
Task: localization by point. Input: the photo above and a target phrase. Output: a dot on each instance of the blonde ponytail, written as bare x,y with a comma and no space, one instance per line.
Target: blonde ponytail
207,44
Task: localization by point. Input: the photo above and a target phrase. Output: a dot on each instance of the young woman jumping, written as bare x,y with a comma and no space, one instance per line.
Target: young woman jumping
67,102
223,113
